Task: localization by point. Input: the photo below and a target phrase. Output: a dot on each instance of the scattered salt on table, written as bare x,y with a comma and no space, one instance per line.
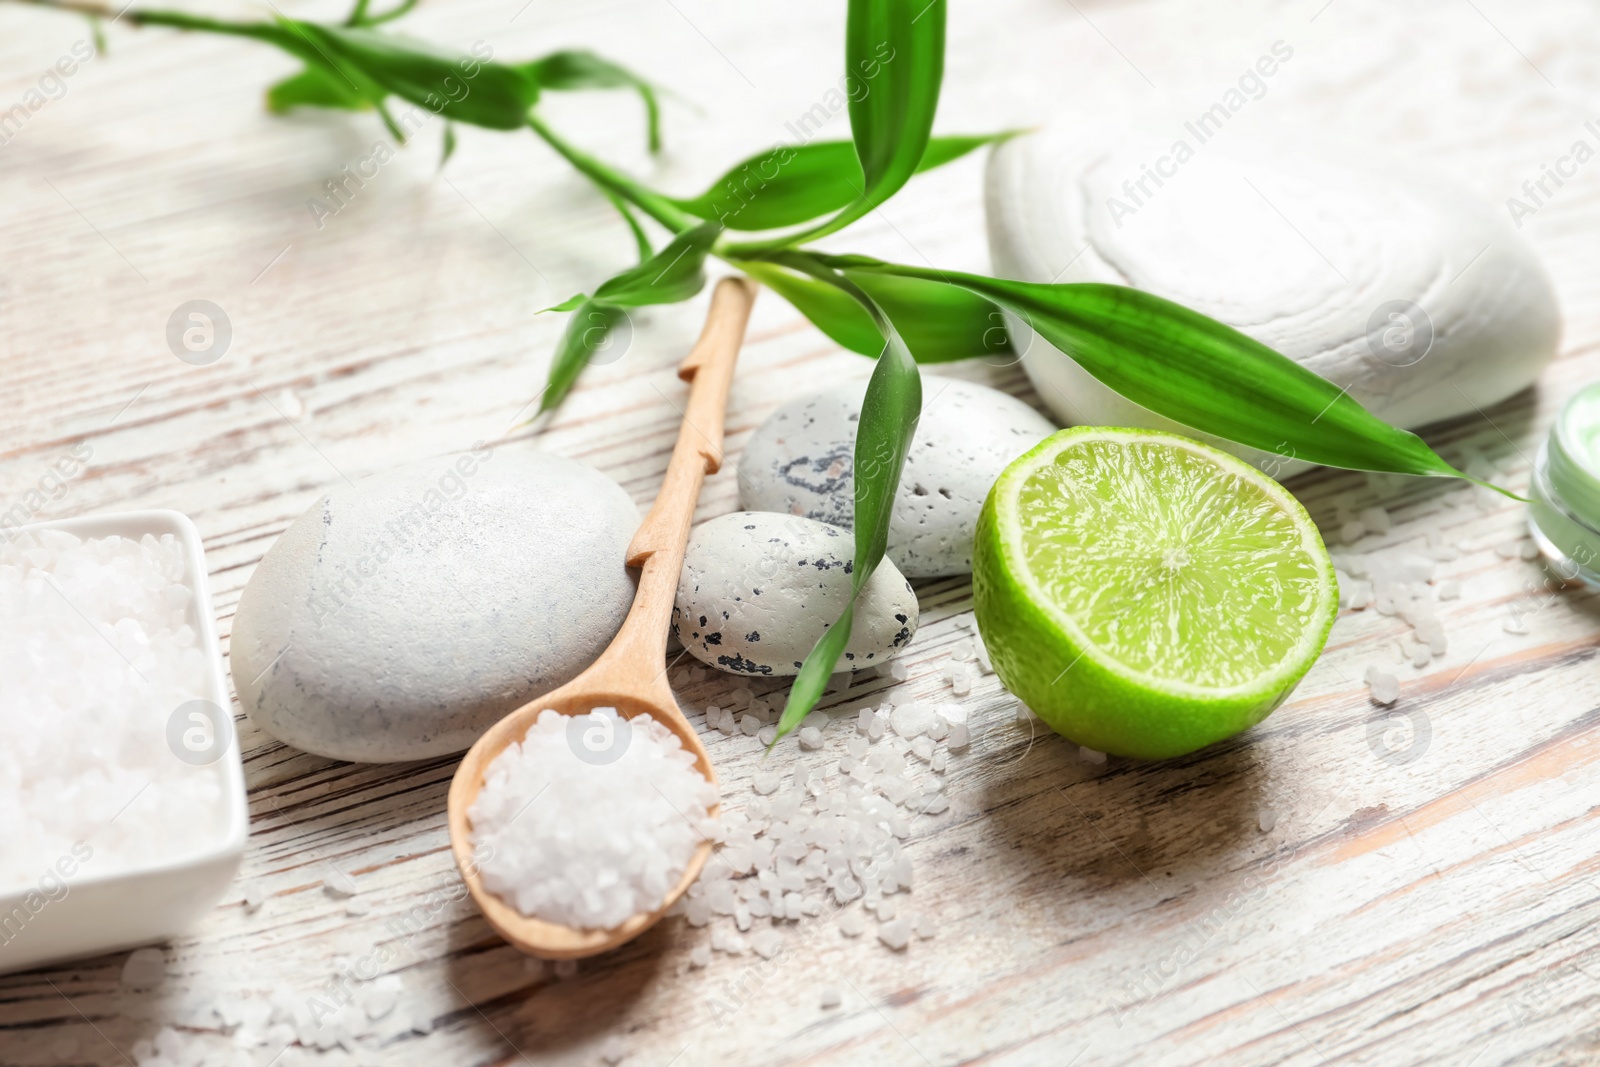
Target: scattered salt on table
960,678
896,933
765,943
144,968
380,998
911,720
337,883
1375,520
1384,686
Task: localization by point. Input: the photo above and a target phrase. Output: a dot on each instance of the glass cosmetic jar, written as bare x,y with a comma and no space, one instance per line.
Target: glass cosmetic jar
1564,517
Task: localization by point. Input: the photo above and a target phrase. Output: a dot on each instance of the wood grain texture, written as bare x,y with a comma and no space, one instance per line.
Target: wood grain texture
1441,911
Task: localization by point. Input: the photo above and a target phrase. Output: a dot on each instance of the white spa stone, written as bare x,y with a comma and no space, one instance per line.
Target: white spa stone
401,617
801,462
758,589
1321,252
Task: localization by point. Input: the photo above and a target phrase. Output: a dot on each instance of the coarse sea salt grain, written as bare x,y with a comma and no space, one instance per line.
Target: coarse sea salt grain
588,844
96,654
896,933
145,968
961,677
827,840
1384,686
1375,519
911,720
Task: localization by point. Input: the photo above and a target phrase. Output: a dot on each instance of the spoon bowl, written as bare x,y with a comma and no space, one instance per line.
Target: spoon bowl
535,936
630,675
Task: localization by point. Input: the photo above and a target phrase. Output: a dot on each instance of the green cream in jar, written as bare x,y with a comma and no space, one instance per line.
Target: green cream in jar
1565,513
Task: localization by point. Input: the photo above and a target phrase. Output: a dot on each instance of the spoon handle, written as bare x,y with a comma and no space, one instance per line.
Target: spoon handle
658,546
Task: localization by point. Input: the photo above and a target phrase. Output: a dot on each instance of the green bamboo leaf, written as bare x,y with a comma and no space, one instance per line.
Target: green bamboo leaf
940,323
461,87
584,70
641,240
792,184
359,16
315,86
448,147
569,304
675,273
1196,371
888,422
890,125
591,330
829,308
895,49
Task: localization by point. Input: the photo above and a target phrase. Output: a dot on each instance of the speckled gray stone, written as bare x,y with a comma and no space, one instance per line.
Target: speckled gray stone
800,461
758,590
401,617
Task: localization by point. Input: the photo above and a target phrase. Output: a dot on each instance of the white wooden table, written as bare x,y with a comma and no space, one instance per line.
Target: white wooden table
1436,908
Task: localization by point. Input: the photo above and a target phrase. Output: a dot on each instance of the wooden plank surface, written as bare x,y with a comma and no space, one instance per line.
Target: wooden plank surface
1438,910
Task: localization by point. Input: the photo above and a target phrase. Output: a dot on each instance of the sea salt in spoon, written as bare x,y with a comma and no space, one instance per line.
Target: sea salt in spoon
629,674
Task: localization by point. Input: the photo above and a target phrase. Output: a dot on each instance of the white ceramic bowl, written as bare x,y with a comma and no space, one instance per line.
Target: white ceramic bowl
137,906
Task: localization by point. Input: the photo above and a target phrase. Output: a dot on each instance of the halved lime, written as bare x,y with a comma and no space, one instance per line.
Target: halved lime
1146,594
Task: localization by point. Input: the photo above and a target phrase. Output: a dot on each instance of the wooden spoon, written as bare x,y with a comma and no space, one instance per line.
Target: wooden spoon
630,675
